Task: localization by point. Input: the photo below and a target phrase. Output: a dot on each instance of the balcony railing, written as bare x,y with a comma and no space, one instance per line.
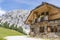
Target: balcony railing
41,18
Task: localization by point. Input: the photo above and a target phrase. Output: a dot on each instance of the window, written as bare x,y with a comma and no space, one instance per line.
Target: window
47,13
42,16
42,13
58,22
32,29
51,29
48,28
41,29
36,20
55,29
46,16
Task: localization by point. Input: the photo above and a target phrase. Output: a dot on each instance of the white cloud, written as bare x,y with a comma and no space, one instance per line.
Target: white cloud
2,12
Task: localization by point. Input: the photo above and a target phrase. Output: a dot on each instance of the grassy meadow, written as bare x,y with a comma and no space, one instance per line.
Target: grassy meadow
7,32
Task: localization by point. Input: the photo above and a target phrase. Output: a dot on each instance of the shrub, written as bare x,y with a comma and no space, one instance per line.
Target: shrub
6,25
20,29
11,27
0,25
15,27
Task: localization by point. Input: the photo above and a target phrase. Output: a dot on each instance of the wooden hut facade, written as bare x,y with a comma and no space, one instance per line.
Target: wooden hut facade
44,19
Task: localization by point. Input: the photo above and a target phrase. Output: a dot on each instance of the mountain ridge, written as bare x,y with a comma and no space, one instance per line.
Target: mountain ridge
16,17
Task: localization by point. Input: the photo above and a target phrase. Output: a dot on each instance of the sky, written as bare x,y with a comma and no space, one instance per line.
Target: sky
6,5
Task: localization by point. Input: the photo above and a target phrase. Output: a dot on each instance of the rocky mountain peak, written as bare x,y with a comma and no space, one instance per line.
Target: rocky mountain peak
16,17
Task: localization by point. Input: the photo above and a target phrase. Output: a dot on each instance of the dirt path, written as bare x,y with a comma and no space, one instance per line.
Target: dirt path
20,38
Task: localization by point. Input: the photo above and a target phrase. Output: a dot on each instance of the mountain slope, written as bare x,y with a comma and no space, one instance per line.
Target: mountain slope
16,17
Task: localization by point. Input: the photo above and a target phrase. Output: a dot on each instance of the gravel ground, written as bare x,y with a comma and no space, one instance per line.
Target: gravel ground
28,38
20,38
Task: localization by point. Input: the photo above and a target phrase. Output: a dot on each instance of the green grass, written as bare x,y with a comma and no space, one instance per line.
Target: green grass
7,32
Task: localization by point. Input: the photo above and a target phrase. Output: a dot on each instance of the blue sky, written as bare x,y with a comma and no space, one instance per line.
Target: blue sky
6,5
24,4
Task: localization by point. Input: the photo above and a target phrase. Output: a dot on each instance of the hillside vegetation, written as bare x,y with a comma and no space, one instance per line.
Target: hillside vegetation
7,32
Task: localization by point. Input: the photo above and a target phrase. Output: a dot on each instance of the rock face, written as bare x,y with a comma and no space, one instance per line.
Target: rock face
16,17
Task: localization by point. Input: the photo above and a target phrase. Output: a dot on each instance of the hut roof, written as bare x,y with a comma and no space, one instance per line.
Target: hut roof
43,7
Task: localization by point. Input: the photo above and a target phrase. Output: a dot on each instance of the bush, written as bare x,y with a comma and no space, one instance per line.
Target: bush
11,27
0,25
15,27
6,25
20,29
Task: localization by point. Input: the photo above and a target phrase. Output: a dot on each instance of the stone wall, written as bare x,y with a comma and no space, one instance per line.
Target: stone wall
36,26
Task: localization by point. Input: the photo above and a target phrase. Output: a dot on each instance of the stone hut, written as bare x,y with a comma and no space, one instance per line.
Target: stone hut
44,19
